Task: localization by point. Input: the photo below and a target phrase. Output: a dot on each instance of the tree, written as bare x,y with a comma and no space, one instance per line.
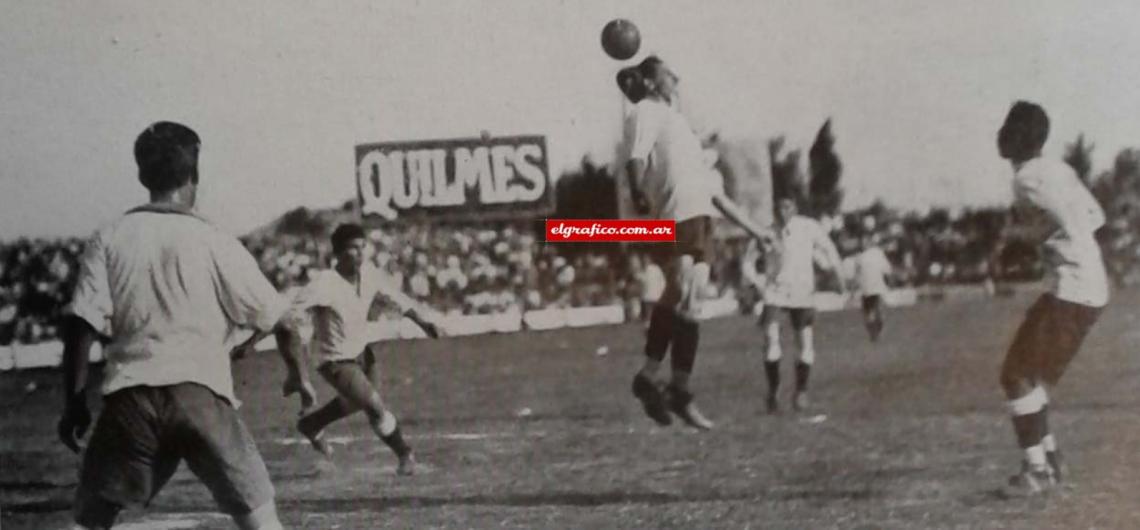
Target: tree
824,195
588,192
297,222
786,181
1122,182
1079,155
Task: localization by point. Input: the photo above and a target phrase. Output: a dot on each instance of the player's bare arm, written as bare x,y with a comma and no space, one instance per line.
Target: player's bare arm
635,175
412,310
835,262
78,336
249,345
733,212
292,351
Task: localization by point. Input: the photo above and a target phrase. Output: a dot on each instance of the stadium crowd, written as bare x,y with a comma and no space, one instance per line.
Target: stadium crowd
503,267
36,280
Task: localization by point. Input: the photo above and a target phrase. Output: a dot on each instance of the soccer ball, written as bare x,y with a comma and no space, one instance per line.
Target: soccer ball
620,39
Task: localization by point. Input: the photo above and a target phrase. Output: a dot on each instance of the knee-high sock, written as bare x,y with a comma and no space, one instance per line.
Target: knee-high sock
334,410
1048,441
687,336
806,339
772,372
803,372
661,331
387,428
1029,425
772,354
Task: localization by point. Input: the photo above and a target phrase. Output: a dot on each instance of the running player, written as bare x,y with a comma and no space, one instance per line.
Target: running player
173,291
872,270
789,262
669,179
341,301
1056,207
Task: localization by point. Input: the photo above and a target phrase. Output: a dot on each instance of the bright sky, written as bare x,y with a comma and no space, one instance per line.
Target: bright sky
281,91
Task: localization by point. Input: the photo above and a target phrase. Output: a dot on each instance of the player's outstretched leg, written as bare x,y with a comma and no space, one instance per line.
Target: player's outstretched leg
1042,348
694,278
772,355
387,428
646,385
383,421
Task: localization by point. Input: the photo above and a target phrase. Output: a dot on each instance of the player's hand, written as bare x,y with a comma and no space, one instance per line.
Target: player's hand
299,385
74,423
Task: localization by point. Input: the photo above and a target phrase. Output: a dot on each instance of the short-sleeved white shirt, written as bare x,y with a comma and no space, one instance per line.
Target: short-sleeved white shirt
678,181
652,283
1076,269
173,294
341,310
790,263
871,270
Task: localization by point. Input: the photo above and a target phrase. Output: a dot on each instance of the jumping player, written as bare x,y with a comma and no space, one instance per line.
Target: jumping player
669,178
342,301
872,269
173,291
789,263
1056,207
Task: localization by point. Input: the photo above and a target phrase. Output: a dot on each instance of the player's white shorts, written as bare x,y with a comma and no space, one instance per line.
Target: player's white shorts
789,296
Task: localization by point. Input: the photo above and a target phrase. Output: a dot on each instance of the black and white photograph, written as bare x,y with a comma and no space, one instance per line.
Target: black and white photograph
531,264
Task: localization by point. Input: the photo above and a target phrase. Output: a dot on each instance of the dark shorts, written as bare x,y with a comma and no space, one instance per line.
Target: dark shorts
802,317
694,238
1048,339
356,381
143,434
872,303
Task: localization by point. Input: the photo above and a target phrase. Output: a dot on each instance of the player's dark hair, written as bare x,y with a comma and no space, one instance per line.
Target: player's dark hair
631,83
167,156
648,67
344,233
1025,130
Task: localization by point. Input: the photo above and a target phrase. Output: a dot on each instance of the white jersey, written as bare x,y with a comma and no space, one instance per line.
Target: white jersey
173,293
652,281
789,262
871,269
678,181
341,311
1076,269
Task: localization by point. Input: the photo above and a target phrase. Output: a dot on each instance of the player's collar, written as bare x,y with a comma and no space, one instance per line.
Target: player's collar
166,207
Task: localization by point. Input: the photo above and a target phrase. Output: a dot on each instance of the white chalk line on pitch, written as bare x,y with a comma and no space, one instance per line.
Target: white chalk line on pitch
180,521
472,437
459,436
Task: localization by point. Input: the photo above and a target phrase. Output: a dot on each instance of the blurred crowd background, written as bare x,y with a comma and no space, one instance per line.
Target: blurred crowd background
506,266
491,266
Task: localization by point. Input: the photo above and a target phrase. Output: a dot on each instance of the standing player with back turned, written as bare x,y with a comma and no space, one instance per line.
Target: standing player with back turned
174,292
1057,209
669,179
